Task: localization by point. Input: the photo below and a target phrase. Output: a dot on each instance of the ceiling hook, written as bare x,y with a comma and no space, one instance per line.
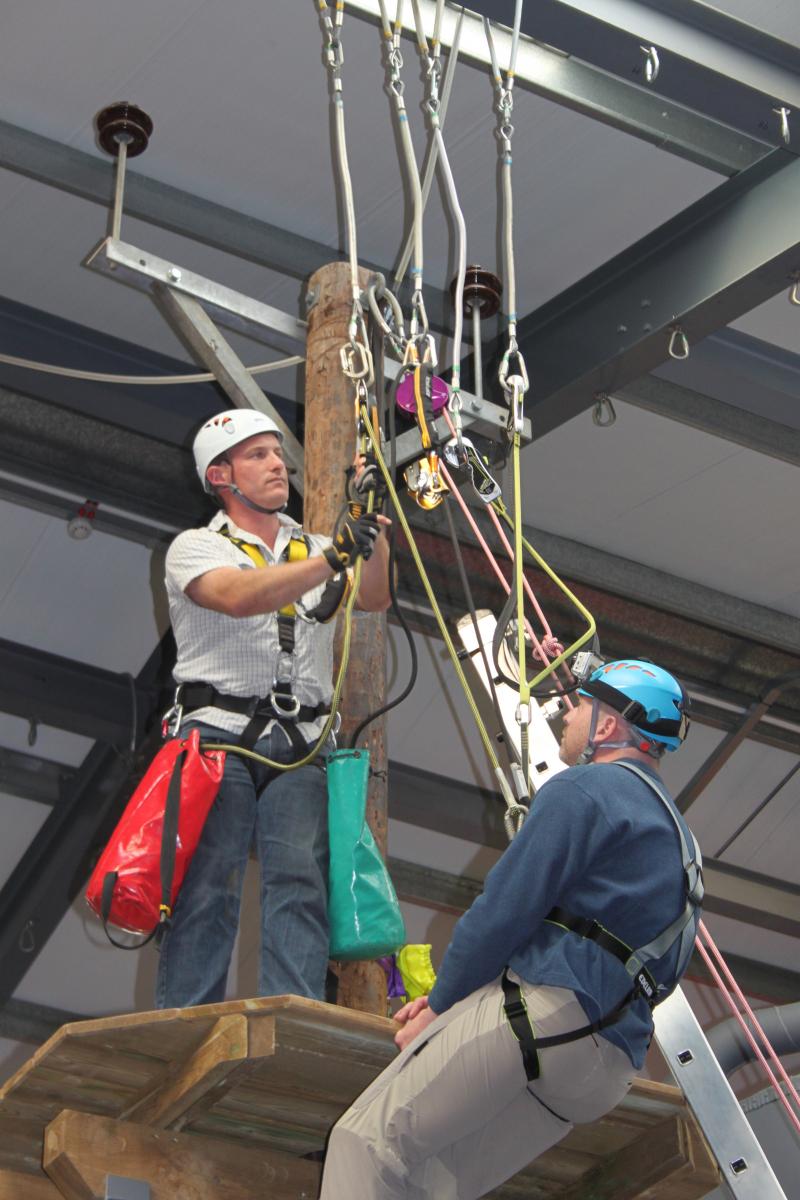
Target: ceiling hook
784,113
678,343
27,939
652,64
604,413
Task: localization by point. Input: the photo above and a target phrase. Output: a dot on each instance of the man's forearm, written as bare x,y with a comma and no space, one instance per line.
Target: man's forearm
373,592
262,590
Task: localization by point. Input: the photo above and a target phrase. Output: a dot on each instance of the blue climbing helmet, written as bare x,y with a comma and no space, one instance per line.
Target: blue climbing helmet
647,696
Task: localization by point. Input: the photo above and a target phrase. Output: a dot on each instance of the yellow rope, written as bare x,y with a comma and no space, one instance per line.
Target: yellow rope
484,735
504,514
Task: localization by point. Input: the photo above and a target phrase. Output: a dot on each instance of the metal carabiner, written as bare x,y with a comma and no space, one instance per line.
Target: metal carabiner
794,292
678,338
356,361
506,382
334,53
172,718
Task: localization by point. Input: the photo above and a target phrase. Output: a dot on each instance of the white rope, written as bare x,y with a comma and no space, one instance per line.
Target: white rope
505,104
433,149
157,380
433,106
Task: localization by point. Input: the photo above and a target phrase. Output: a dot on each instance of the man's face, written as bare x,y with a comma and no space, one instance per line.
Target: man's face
575,730
258,469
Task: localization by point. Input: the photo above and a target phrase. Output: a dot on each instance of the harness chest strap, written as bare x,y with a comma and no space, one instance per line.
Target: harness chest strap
633,960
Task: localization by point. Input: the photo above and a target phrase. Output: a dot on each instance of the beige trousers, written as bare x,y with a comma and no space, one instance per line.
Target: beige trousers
454,1116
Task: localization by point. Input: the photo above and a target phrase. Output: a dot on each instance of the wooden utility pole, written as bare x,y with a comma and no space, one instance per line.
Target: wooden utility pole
329,448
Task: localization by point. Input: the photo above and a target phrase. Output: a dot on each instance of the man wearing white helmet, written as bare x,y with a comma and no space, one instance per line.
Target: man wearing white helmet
251,598
542,1009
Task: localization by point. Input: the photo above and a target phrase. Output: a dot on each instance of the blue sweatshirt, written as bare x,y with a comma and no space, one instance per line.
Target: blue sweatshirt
599,843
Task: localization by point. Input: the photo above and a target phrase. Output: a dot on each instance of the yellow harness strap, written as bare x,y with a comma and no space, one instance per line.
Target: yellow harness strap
296,551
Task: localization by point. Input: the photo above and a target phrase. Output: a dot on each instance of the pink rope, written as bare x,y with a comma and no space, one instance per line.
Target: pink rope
545,647
703,931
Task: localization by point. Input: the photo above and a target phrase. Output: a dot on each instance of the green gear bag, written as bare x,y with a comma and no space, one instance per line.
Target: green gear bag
363,911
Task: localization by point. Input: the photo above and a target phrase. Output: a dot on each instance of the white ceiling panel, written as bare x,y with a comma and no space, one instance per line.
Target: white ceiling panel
777,17
663,494
99,601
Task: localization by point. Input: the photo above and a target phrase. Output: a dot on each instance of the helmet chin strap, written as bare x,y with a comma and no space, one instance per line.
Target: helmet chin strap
587,754
251,504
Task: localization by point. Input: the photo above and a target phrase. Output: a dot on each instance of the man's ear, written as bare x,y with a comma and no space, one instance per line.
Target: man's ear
606,727
219,474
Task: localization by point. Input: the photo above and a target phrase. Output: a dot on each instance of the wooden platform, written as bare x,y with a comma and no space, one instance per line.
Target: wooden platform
226,1101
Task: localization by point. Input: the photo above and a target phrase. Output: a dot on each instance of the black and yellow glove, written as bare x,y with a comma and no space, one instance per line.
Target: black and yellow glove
355,539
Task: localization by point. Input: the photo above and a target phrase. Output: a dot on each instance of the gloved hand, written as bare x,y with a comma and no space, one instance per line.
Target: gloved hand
360,483
356,539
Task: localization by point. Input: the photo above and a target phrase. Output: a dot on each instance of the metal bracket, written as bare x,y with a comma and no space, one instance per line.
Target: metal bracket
142,270
120,1188
193,323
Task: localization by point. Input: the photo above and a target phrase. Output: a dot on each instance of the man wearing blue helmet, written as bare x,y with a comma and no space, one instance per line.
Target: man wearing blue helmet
651,702
542,1010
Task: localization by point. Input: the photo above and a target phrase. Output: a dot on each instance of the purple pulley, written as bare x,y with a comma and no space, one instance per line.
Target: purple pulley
406,395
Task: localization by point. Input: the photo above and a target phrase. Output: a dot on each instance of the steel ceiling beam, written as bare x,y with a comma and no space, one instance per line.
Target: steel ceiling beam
730,251
723,69
636,582
718,758
51,690
745,428
92,178
691,34
558,75
54,868
33,778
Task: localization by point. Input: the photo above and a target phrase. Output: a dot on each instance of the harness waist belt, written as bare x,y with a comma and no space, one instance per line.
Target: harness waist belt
205,695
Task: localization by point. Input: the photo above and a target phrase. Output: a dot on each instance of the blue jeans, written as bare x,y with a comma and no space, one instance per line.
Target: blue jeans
286,813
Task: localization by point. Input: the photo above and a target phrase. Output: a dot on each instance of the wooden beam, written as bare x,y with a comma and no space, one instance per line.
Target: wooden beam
81,1150
234,1046
329,445
668,1161
14,1185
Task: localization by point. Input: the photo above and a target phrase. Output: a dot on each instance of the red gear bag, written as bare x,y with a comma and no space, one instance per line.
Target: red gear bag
139,874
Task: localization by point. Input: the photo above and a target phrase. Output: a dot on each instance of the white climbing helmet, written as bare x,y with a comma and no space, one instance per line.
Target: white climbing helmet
224,431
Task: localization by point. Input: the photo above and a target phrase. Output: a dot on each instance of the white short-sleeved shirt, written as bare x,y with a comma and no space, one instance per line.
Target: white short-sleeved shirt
239,655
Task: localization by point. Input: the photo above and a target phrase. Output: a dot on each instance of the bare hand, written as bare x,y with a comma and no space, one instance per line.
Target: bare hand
411,1010
413,1026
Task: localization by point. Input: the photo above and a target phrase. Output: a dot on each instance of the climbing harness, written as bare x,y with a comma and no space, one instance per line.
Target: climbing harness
644,986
